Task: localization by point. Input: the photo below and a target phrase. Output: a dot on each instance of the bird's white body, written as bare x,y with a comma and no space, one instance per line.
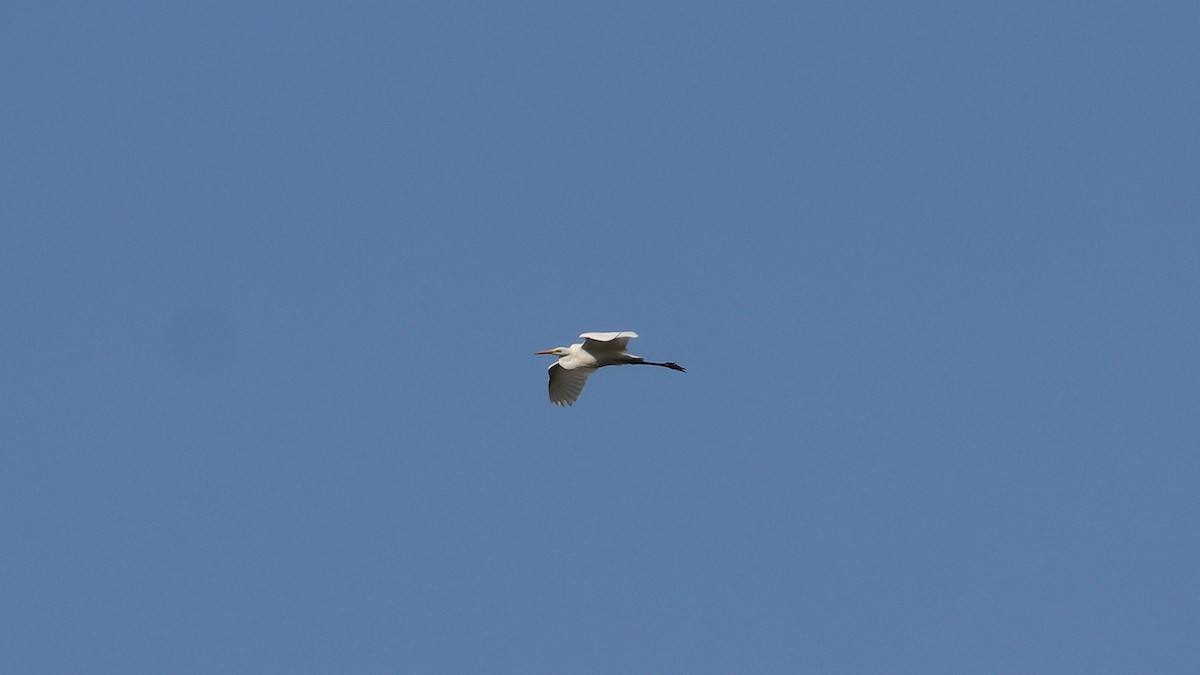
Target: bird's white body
577,362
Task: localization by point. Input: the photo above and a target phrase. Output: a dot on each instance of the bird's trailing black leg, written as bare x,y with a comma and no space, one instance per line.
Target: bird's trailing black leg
669,364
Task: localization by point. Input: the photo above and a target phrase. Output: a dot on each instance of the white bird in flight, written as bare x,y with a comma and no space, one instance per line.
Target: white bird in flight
597,350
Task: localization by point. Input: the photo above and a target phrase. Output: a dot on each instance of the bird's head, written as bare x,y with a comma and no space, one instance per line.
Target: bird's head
557,351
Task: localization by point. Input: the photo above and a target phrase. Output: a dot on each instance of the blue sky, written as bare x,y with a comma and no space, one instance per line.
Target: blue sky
272,276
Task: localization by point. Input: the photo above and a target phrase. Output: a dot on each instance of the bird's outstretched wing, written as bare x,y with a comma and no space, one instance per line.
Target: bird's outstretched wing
565,385
616,341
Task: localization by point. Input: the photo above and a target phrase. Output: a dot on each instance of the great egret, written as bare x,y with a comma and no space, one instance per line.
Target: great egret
597,350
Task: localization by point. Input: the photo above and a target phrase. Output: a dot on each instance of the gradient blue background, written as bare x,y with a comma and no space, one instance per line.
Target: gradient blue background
272,276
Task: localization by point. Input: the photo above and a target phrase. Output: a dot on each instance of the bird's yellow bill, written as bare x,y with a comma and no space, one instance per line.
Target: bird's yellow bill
545,351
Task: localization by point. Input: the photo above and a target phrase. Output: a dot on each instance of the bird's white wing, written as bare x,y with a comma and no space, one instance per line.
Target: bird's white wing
602,341
565,385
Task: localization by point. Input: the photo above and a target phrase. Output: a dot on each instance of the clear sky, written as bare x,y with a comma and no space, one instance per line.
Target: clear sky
272,276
